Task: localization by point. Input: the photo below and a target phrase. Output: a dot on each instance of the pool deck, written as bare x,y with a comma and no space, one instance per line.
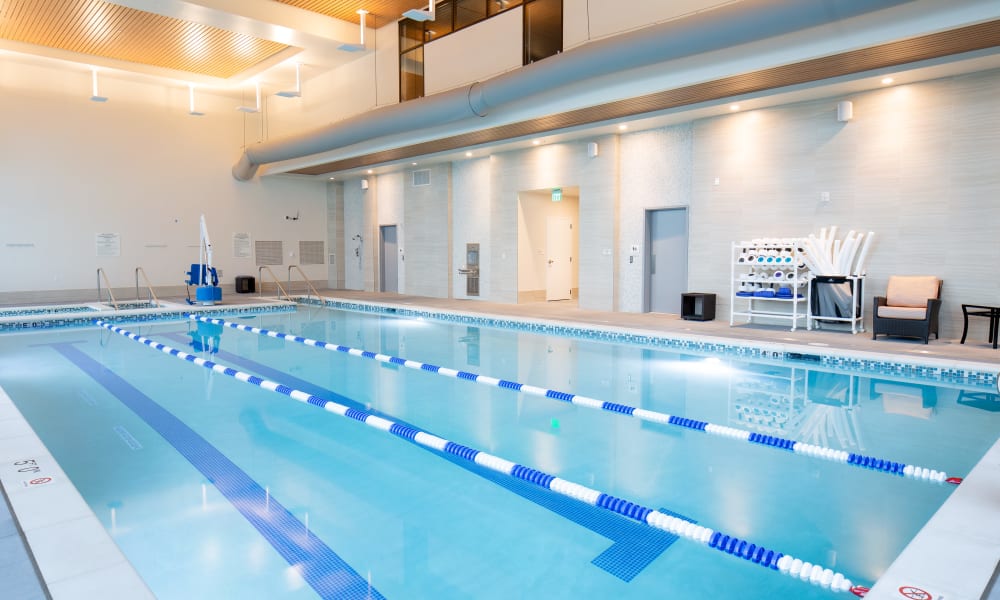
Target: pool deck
954,557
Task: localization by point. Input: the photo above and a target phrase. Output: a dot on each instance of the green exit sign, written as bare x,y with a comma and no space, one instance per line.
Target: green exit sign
556,194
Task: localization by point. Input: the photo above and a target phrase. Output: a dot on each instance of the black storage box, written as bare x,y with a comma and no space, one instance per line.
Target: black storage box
246,285
698,307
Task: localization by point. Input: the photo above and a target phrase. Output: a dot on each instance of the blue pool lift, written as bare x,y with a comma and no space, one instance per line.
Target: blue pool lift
203,274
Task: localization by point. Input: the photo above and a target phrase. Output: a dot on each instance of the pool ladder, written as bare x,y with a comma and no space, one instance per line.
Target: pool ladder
101,274
153,301
312,288
260,277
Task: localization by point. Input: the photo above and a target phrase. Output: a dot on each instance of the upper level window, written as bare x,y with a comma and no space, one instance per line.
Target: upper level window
542,34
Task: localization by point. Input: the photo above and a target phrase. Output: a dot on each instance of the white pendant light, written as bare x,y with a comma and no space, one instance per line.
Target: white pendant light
191,109
417,14
298,85
360,45
256,107
96,96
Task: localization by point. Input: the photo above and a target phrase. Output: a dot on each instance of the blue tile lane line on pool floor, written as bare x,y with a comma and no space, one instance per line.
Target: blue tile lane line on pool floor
635,545
322,568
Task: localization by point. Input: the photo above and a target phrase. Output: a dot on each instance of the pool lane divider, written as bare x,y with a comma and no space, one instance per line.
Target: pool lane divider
785,564
848,458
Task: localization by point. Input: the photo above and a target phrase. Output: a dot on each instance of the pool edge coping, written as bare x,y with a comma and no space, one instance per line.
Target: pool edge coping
24,444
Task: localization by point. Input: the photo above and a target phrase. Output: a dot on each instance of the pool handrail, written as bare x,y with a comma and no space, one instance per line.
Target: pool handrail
260,277
304,278
149,286
111,295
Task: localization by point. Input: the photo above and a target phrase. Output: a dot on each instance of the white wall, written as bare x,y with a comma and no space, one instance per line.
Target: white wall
471,218
139,166
474,53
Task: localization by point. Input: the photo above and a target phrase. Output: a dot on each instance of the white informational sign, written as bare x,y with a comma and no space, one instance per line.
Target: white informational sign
241,245
109,244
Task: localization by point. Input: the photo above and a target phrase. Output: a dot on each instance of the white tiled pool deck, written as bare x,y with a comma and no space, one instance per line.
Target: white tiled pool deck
71,556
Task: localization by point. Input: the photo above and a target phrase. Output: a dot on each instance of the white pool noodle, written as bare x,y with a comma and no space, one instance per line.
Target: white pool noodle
835,257
821,264
859,267
858,241
846,257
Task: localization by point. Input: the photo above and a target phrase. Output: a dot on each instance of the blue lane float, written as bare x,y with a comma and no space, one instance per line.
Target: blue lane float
840,456
785,564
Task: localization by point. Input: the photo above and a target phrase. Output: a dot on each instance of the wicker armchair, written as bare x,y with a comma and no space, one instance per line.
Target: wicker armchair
909,308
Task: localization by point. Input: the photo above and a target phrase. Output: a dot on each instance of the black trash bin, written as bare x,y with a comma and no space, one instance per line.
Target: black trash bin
831,297
246,285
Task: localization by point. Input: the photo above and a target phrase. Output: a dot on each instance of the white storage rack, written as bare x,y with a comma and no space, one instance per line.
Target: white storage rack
771,280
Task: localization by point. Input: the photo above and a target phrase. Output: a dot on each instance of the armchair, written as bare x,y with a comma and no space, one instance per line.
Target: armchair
909,308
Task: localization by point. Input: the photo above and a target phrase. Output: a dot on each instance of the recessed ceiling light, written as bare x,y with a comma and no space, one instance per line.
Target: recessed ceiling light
734,107
468,154
370,171
622,127
414,164
332,178
536,142
887,80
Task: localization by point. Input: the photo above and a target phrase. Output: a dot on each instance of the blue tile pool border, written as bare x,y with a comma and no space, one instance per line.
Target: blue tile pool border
84,315
930,370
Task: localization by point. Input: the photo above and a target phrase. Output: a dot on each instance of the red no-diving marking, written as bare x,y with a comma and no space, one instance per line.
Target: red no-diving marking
40,480
915,593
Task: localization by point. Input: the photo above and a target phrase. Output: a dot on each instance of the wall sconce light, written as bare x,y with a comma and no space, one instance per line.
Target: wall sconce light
592,150
95,95
191,110
845,111
252,109
361,44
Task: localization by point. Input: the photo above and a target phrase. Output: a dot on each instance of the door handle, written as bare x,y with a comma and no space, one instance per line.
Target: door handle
551,261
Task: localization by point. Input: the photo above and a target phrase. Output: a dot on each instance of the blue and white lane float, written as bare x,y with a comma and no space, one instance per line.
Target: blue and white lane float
783,563
849,458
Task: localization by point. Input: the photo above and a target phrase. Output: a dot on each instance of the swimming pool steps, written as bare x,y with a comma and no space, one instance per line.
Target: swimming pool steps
780,562
848,458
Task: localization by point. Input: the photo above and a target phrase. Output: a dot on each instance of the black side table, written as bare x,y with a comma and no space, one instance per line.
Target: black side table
976,310
698,307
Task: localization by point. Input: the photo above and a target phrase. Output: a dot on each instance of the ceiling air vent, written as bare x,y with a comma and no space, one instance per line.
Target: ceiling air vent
421,177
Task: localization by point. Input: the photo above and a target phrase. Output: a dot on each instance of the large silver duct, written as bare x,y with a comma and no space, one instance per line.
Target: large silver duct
730,25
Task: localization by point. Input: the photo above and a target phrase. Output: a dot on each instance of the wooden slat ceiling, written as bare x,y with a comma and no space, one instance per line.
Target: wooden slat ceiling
111,31
385,10
893,54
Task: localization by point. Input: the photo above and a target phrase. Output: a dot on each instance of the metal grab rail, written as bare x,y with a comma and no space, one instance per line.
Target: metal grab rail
276,282
111,295
152,296
304,278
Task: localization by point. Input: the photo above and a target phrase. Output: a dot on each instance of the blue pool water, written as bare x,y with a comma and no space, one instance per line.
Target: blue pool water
215,488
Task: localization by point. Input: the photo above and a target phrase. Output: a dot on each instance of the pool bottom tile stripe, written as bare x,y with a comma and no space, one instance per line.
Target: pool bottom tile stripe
777,561
846,458
326,572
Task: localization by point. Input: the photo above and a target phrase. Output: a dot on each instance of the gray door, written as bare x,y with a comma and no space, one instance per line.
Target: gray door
666,259
388,259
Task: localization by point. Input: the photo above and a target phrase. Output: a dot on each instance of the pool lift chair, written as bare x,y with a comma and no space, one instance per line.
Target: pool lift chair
203,274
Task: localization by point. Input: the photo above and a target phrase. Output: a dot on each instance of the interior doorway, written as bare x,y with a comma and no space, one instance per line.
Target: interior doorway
665,266
388,259
548,244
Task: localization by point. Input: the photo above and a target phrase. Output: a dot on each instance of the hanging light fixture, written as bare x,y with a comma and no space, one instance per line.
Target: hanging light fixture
360,45
191,109
417,14
95,95
298,85
256,107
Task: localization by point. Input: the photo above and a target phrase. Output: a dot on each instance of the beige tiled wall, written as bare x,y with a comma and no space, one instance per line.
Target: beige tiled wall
917,165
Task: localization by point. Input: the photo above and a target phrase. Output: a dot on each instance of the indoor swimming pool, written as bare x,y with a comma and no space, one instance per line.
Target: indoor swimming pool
411,458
